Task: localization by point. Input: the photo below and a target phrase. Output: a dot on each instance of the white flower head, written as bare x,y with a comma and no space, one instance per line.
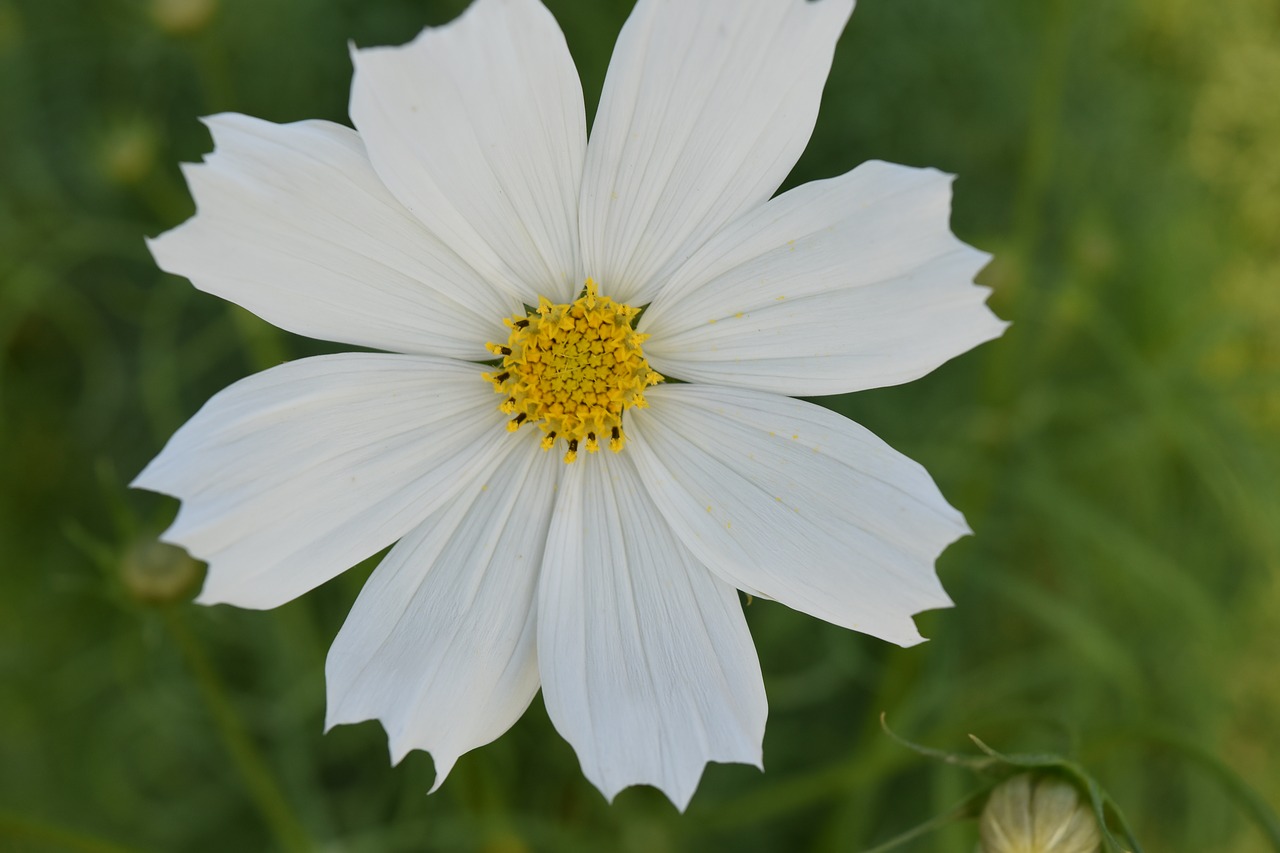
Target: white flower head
469,230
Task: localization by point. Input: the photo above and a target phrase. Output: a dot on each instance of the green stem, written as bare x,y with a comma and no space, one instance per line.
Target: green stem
261,785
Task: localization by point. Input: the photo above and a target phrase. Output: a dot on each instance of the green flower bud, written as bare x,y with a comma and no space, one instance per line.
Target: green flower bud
155,573
1037,814
128,151
182,17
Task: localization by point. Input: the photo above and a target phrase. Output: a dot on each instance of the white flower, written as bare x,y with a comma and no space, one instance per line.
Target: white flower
468,192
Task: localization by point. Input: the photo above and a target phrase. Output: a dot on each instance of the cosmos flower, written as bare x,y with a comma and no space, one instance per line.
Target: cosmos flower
565,517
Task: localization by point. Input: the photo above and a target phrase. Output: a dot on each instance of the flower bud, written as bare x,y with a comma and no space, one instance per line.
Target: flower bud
128,152
182,17
1037,814
155,573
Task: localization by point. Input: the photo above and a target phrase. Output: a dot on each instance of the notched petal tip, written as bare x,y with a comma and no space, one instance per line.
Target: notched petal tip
216,589
337,712
223,125
678,794
910,635
165,247
193,172
398,750
475,9
442,772
151,242
157,477
680,784
955,519
225,117
907,641
226,121
986,258
397,747
144,479
679,789
208,599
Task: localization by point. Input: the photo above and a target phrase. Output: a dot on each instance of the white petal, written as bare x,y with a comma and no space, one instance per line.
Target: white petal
440,644
294,224
790,499
648,669
293,475
478,128
840,285
706,107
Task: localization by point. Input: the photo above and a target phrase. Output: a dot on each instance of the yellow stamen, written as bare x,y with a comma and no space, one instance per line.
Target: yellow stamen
573,370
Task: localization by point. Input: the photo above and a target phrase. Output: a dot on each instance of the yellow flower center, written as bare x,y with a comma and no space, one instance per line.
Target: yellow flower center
573,370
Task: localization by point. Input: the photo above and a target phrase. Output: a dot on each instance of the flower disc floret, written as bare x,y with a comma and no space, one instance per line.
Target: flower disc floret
573,369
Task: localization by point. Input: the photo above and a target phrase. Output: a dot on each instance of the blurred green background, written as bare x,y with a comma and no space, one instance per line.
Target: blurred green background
1116,452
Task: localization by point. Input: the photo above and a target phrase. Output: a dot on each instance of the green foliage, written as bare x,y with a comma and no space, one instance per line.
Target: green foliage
1115,452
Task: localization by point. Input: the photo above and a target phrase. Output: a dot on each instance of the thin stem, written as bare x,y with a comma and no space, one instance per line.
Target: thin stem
962,811
261,785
